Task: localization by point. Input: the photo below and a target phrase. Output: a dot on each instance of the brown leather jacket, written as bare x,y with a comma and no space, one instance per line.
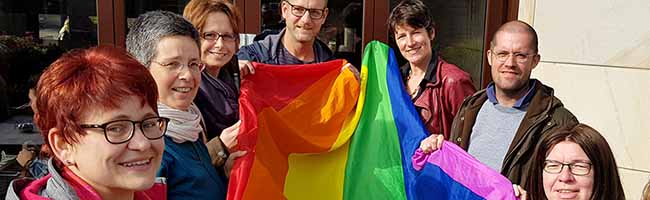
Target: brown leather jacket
545,115
442,95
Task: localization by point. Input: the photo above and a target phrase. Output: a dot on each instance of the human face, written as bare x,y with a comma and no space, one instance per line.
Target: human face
414,44
176,89
32,99
109,168
303,29
511,76
216,53
565,185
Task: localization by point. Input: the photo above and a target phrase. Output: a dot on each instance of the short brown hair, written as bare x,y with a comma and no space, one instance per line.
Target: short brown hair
196,11
607,183
413,13
87,79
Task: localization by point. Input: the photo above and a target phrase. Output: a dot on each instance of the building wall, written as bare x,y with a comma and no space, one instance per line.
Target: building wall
596,54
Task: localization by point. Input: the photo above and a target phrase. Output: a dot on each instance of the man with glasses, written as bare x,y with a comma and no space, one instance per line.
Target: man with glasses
296,43
501,124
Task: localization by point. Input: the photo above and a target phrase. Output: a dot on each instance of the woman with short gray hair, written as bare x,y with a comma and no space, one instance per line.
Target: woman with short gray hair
169,46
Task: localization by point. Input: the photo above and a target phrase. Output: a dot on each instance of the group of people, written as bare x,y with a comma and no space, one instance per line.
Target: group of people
515,125
114,120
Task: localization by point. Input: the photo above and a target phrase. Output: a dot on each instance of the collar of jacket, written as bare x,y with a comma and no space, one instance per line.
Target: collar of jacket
273,42
54,186
543,101
432,75
51,186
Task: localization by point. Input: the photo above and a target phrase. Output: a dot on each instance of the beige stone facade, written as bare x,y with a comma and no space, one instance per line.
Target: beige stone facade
596,54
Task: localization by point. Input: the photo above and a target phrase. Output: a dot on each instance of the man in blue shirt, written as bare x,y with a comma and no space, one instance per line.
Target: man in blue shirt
295,44
501,124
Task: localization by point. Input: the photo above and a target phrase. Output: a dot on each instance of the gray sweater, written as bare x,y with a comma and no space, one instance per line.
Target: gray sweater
493,132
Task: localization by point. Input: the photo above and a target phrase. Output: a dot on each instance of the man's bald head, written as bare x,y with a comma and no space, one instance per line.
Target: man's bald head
516,27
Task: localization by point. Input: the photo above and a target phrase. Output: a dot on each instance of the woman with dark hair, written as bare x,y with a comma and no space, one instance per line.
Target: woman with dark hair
98,117
574,164
436,87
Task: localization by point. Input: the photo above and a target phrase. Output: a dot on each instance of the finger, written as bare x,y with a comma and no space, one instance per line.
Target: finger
347,65
251,69
439,140
243,71
516,189
428,144
424,146
429,148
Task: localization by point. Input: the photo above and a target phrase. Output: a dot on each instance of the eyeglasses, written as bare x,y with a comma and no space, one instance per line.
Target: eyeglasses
576,168
175,66
214,36
121,131
299,11
503,56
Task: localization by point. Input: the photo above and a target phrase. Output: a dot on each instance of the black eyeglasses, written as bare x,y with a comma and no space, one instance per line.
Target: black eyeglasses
576,168
299,11
214,36
121,131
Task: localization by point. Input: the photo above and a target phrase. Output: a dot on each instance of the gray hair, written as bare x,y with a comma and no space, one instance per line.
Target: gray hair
150,28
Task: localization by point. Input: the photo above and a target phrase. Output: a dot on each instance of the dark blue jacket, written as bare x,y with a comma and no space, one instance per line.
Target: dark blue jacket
265,51
189,173
218,101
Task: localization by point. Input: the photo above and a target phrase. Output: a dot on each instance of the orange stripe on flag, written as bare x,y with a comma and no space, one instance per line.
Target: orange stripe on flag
310,123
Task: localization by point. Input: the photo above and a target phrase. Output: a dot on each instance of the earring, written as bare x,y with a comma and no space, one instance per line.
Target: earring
68,162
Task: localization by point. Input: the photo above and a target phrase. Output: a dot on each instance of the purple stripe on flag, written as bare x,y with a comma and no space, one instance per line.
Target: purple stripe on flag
467,171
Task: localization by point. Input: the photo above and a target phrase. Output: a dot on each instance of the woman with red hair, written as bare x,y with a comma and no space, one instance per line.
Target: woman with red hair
97,112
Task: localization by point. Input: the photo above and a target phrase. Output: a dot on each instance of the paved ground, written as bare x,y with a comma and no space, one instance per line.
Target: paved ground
11,138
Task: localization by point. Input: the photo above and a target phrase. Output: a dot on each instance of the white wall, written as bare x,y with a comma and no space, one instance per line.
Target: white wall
596,54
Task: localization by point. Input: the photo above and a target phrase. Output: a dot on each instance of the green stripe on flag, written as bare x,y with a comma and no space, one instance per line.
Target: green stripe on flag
374,166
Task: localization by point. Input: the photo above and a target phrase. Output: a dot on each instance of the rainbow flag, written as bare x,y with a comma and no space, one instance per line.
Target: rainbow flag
314,132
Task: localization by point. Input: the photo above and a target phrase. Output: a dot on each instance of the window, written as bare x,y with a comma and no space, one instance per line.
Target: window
135,8
341,31
32,35
460,28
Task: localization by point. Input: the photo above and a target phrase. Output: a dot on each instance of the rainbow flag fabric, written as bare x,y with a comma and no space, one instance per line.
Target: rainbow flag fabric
315,132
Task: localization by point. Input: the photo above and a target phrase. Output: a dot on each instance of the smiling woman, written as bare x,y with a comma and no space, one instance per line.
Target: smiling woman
97,112
437,88
218,26
575,163
169,46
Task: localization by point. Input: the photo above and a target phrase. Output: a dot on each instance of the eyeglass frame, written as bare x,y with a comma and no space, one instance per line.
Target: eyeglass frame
220,35
167,66
306,10
104,125
569,165
504,58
